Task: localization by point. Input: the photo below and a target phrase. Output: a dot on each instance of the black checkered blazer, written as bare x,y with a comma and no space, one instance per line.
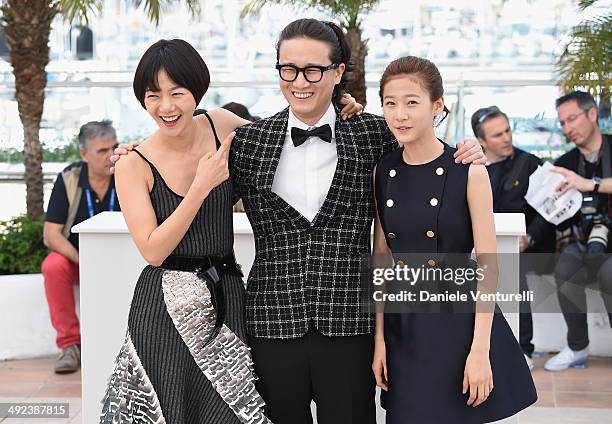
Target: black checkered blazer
307,271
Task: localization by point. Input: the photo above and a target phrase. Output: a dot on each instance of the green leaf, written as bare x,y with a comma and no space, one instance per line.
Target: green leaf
82,10
153,8
586,60
347,12
79,10
583,4
21,245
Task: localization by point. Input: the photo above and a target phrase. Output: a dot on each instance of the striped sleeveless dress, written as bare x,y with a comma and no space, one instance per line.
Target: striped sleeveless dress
166,372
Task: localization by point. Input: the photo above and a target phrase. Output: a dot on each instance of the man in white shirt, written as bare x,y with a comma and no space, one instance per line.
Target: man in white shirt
304,174
305,178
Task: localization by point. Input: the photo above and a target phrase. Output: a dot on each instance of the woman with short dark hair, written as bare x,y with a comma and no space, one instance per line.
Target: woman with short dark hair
184,359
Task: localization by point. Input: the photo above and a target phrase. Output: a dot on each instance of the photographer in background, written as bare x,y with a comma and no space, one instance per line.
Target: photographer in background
509,170
584,259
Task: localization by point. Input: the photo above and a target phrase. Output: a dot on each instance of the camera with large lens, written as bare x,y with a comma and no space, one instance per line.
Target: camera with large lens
595,226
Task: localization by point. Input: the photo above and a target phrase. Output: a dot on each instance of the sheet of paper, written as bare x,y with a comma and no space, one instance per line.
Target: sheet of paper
542,196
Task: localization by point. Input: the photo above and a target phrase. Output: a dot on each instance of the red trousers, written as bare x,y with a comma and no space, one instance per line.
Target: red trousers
60,275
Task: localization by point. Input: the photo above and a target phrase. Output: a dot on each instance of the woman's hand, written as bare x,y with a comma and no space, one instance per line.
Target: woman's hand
379,364
477,377
213,167
351,107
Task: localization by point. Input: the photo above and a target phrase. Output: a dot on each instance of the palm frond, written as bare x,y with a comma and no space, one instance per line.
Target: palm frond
83,9
153,8
347,12
583,4
79,9
586,60
255,6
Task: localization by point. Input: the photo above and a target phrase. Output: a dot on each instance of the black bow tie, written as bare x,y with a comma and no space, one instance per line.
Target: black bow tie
299,136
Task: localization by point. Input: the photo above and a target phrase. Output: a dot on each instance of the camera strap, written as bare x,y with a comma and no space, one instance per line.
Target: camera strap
606,166
606,172
603,159
518,161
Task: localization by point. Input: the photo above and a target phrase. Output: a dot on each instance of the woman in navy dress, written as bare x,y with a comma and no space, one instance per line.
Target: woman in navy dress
438,368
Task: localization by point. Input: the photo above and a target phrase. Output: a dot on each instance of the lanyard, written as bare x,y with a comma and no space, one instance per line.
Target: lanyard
90,208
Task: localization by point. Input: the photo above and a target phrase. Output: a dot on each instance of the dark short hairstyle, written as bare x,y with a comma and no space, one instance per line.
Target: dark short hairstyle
96,129
585,100
238,109
329,33
425,70
182,63
482,115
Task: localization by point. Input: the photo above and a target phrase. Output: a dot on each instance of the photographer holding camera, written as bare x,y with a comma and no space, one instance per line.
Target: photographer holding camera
586,168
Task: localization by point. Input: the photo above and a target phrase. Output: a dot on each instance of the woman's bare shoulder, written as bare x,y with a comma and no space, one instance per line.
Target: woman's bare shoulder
132,163
478,173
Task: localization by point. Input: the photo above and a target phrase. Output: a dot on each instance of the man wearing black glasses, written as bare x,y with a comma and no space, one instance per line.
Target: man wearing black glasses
305,178
584,259
509,171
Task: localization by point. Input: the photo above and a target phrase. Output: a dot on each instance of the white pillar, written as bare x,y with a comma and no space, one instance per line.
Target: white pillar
509,227
109,267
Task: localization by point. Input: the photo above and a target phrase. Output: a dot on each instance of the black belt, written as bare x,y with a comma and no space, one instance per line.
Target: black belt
212,266
211,269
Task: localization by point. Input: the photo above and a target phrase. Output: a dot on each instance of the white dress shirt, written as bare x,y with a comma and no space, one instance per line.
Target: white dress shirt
304,174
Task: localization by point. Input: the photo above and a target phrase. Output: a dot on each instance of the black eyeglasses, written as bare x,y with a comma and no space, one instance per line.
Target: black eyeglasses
486,112
312,73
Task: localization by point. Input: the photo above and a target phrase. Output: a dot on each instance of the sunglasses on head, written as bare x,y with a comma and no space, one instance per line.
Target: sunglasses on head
486,112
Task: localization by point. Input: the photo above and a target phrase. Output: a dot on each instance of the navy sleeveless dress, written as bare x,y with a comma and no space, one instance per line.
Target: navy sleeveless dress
423,209
168,371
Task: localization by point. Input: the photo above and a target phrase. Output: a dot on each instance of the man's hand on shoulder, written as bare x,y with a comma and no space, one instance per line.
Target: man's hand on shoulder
470,151
350,107
121,150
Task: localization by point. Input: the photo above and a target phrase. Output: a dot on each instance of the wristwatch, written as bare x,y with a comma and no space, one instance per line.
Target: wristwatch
596,183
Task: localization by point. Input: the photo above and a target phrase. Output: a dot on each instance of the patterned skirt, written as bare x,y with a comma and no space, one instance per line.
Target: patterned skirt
166,372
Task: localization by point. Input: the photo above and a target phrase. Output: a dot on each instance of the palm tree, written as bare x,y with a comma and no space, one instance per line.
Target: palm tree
26,25
349,14
586,60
